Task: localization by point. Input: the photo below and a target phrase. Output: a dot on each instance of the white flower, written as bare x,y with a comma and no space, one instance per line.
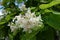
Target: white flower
27,21
12,27
22,7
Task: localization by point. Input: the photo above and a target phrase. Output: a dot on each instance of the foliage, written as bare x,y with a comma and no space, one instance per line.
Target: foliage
49,11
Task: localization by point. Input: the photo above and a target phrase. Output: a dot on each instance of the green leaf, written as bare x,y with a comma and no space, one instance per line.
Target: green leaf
53,20
56,12
45,6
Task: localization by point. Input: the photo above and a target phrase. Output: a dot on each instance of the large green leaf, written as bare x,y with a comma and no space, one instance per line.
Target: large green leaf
53,20
45,6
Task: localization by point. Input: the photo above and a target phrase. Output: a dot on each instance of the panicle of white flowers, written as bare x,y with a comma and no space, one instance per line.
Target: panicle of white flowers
27,21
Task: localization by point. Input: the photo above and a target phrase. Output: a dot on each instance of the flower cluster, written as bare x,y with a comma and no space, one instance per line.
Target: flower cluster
28,21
